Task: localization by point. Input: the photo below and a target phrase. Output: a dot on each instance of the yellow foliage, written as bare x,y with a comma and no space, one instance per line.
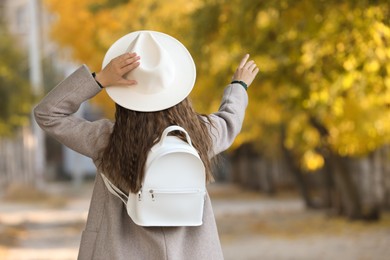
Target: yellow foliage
312,161
328,61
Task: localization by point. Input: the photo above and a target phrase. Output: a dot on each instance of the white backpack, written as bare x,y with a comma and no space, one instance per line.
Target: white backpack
174,185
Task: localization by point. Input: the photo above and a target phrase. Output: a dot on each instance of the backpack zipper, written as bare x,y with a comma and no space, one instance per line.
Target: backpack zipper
166,191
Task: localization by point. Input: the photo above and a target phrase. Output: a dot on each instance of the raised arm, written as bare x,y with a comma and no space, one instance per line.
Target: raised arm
55,113
228,120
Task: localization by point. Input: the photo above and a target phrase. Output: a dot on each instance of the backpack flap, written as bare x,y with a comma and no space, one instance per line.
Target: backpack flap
174,164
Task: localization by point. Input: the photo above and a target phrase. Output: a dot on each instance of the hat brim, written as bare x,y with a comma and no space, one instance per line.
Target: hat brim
185,75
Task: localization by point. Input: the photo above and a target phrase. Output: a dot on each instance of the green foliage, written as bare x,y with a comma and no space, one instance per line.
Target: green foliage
15,95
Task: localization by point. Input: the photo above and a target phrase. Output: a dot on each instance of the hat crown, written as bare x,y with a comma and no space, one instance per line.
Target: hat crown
165,76
156,70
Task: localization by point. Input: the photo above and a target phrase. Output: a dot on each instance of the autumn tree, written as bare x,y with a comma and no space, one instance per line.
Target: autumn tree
323,93
325,82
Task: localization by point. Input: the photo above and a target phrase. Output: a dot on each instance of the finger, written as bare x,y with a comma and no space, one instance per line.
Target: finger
129,67
248,64
252,67
243,61
124,56
129,61
127,82
256,71
116,63
129,55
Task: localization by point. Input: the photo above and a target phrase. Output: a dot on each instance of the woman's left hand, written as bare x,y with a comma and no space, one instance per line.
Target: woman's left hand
112,74
246,71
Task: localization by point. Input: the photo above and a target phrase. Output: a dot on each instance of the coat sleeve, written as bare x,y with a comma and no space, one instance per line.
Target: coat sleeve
227,122
55,115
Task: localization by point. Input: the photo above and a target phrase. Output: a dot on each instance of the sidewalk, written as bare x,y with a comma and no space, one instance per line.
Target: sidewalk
251,226
40,231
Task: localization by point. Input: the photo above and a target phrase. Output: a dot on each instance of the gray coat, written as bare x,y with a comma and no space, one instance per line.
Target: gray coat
109,232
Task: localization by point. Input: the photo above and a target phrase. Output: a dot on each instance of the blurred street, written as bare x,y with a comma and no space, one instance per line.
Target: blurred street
251,226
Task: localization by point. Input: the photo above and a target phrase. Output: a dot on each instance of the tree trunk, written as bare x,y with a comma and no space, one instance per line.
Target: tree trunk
385,162
330,196
349,195
297,173
264,176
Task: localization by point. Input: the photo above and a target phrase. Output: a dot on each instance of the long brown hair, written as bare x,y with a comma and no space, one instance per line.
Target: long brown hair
123,159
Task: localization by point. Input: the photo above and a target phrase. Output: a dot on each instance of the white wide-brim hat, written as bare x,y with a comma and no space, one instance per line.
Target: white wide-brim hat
165,76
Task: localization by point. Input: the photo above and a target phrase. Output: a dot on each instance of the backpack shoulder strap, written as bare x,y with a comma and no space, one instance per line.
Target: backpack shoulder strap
114,190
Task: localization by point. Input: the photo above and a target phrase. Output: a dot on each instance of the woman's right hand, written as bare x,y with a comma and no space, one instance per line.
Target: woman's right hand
246,71
112,74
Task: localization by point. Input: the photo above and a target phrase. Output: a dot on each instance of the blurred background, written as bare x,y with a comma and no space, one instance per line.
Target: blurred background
307,178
